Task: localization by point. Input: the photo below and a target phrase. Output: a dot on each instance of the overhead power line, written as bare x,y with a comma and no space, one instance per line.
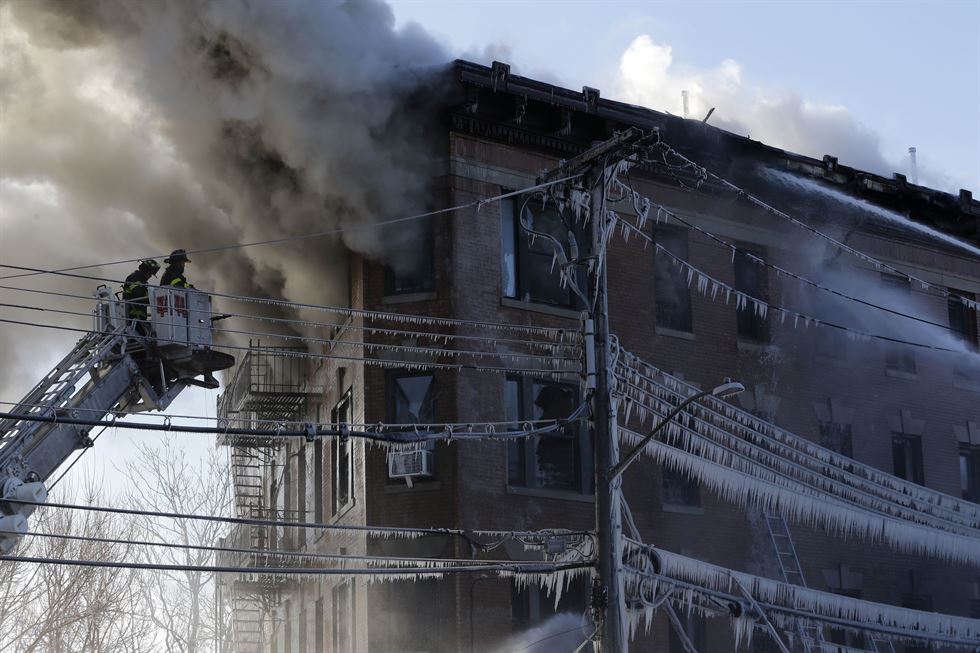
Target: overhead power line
378,362
394,531
311,432
316,234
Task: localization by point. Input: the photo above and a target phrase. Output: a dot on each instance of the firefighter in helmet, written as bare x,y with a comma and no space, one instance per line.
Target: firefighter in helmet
173,276
135,292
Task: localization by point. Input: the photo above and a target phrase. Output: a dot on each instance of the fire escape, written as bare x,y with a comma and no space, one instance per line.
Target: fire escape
270,385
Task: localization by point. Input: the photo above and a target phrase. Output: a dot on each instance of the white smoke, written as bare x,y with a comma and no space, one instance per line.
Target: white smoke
648,75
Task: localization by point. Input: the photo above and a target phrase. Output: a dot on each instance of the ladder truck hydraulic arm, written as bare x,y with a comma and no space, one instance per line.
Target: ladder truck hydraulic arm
121,366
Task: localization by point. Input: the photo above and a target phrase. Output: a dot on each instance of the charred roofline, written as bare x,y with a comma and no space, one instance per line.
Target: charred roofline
565,122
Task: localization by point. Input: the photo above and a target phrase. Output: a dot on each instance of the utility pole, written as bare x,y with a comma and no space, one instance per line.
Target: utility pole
607,595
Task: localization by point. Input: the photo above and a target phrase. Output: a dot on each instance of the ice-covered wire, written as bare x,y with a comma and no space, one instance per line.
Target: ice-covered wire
409,436
389,316
567,344
478,203
367,346
378,362
711,287
975,305
802,450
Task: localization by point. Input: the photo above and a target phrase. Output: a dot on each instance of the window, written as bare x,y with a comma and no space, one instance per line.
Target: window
841,636
898,357
287,627
836,437
907,457
410,250
562,461
301,495
303,648
318,477
917,602
412,400
693,625
673,297
343,617
679,490
528,270
750,280
342,457
970,473
963,324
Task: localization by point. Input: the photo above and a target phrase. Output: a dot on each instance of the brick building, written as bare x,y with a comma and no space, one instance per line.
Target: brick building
908,411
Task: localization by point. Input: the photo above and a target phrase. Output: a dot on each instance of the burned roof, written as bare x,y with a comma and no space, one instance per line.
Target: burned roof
498,105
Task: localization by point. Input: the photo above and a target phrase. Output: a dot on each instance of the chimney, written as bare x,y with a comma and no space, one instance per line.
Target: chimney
913,171
684,98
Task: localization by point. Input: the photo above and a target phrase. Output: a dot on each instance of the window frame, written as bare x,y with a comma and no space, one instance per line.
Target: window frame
833,434
343,633
393,278
971,480
917,472
898,357
675,485
749,325
391,379
340,449
525,450
515,242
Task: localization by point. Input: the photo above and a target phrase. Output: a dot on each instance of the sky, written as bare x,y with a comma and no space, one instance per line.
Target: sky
907,72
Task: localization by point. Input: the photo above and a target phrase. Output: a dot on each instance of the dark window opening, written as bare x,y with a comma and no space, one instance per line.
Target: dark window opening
970,473
836,437
342,456
411,259
679,490
562,461
412,400
750,281
529,271
907,457
844,637
963,324
673,296
921,602
898,357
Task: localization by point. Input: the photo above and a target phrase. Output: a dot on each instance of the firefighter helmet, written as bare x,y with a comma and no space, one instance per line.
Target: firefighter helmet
150,265
177,256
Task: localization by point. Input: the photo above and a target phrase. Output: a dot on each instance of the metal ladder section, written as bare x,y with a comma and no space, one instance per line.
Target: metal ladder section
879,645
246,472
811,636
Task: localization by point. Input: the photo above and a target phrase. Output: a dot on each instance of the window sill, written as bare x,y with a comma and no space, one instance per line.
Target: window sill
344,509
966,385
673,333
408,298
547,309
756,347
901,374
418,486
681,509
566,495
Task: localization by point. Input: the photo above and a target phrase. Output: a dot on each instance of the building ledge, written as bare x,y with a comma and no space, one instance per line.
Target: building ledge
756,347
565,495
673,333
408,298
534,307
900,374
682,510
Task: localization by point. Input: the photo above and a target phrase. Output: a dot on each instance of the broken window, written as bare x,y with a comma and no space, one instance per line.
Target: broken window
836,437
899,357
411,259
343,616
673,296
907,457
529,271
342,456
559,461
750,281
679,490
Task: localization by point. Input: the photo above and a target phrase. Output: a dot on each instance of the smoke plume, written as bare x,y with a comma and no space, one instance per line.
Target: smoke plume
134,128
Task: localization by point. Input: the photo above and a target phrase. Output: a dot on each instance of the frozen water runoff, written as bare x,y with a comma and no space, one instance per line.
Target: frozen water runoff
812,186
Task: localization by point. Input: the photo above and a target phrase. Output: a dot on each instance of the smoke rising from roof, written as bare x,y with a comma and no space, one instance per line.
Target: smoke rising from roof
132,129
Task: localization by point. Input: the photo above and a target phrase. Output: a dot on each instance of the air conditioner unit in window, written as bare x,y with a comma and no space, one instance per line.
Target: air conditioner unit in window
409,464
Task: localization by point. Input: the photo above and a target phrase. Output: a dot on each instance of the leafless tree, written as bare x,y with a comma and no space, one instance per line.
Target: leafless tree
48,608
181,603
